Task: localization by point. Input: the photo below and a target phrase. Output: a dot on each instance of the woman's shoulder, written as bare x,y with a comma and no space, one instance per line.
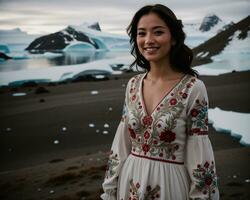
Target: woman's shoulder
135,80
196,83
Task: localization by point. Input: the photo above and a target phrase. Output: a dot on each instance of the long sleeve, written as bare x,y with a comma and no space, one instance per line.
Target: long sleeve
199,153
121,148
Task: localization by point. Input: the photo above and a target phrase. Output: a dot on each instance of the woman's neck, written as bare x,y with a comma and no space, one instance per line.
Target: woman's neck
162,72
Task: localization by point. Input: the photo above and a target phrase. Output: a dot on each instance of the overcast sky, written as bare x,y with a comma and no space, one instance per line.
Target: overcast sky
46,16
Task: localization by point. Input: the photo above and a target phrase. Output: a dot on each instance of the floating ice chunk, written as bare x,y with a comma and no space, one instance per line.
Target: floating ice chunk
99,76
234,176
19,94
51,191
97,131
56,142
93,92
64,129
247,180
91,125
110,108
106,125
8,129
105,132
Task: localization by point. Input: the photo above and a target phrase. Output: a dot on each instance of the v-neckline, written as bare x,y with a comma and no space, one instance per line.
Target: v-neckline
162,99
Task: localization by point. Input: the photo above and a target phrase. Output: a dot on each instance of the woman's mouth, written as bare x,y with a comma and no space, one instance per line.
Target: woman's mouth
151,49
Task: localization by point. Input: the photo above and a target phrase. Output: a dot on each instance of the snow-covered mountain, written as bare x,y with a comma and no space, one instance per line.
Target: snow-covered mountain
77,38
235,36
210,21
198,33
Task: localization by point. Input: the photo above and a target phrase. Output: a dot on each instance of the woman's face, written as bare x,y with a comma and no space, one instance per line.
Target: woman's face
153,38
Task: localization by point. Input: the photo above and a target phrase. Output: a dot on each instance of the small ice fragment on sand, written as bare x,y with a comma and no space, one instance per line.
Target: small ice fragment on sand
51,191
19,94
91,125
99,76
106,126
93,92
247,180
64,129
234,176
110,108
97,130
56,142
8,129
105,132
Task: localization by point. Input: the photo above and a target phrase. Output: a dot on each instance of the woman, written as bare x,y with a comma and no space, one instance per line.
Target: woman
161,149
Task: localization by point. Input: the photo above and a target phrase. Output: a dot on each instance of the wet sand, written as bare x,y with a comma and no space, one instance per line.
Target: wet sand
34,167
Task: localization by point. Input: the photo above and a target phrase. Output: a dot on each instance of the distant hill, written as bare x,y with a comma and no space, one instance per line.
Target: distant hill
216,44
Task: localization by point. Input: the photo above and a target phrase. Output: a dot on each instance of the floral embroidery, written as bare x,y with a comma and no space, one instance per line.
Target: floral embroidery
206,178
154,134
147,120
112,163
198,118
150,193
124,112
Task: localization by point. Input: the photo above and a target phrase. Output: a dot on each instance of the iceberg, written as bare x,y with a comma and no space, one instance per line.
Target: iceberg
234,123
79,46
4,48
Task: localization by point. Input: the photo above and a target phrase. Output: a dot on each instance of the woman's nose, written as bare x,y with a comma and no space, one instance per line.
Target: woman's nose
149,38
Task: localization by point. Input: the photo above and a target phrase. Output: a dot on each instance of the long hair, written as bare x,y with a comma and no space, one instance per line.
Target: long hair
181,56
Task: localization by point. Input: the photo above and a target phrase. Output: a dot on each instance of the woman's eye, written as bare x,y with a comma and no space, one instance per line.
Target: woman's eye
141,33
158,32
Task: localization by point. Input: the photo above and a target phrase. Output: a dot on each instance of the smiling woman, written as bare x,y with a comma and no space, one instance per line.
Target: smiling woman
161,149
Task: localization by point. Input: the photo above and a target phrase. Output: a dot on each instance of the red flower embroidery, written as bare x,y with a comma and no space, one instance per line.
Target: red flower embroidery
146,135
208,181
184,95
133,97
147,120
195,130
173,101
194,112
132,133
145,148
155,142
167,136
206,164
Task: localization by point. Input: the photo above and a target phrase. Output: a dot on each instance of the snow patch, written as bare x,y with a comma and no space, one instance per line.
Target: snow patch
235,123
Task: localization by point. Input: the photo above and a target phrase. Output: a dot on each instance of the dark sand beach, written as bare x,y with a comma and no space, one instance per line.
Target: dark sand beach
49,149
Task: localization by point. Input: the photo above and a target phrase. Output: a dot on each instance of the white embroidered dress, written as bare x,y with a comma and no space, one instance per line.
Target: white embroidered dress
166,155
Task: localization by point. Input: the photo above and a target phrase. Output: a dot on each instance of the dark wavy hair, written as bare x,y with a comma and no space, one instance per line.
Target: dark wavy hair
181,56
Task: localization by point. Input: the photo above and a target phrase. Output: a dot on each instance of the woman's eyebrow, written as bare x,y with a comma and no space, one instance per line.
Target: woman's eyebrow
155,27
